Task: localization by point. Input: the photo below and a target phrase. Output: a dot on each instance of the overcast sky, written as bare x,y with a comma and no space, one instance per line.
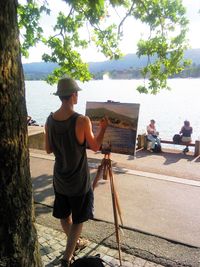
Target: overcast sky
131,35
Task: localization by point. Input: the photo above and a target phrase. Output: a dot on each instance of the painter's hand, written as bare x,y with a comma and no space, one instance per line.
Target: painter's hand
104,123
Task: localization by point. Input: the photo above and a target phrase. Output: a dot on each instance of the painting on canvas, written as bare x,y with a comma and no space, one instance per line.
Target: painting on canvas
121,133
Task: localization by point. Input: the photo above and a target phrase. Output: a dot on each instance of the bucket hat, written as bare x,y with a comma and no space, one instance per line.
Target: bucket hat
66,87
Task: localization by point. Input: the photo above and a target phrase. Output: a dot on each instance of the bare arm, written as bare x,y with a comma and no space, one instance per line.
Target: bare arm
148,130
84,132
181,131
47,145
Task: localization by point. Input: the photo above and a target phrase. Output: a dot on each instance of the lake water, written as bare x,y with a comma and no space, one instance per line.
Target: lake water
168,108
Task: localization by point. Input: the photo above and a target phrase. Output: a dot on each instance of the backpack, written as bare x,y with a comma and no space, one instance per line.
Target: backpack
157,148
177,139
90,261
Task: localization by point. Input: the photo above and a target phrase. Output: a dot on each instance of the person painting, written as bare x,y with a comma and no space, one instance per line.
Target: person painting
66,134
186,132
153,135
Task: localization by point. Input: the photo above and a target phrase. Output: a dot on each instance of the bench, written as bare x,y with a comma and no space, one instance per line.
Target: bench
143,144
172,143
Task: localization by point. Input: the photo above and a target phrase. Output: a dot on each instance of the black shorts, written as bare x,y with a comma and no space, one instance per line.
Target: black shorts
81,207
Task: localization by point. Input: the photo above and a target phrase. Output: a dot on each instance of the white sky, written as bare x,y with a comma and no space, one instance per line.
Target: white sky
131,35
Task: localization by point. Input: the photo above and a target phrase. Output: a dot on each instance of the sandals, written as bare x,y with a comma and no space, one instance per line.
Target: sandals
64,263
81,244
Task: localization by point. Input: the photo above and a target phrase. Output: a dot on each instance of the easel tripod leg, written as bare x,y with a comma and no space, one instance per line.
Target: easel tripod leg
105,170
106,167
115,218
116,197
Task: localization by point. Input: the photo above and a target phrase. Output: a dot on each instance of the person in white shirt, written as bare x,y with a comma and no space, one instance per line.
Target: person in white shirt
153,135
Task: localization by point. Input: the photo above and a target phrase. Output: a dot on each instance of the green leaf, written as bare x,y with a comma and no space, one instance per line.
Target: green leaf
164,46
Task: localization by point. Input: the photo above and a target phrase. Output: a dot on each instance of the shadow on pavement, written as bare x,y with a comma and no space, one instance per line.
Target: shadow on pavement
169,157
43,189
174,158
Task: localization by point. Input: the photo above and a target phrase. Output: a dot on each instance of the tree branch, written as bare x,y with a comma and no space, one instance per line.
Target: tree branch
127,14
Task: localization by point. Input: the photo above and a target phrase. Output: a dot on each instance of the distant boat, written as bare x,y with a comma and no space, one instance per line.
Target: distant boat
106,76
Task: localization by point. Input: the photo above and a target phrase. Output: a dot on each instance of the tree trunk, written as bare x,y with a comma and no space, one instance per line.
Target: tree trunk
18,238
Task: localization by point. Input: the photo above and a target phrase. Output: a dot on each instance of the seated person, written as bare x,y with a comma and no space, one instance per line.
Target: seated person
186,132
152,135
31,122
28,119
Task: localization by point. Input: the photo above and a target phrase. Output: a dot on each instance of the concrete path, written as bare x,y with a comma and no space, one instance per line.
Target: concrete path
160,205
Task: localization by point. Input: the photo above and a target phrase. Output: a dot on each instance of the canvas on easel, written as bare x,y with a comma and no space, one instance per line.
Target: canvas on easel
122,128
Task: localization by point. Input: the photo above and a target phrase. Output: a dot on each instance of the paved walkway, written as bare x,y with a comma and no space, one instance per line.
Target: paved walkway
52,244
145,199
132,175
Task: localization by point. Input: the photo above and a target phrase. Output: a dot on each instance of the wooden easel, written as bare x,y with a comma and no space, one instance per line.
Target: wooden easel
106,168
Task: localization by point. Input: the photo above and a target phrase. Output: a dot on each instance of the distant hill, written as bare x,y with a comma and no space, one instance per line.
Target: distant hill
126,62
132,60
194,55
39,70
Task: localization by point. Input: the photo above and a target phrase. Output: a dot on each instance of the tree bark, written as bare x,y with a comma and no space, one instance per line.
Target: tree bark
18,238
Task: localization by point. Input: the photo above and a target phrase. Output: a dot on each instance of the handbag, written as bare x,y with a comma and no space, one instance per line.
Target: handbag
177,139
90,261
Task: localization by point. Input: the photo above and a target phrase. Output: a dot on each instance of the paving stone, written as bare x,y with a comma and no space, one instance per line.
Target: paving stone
52,242
45,258
102,255
42,252
41,240
86,250
47,237
93,252
48,250
112,252
58,247
93,245
57,254
63,242
115,262
107,258
127,264
45,244
81,254
52,245
102,249
51,256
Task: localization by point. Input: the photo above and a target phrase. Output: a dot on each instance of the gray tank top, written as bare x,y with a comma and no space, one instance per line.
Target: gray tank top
71,174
